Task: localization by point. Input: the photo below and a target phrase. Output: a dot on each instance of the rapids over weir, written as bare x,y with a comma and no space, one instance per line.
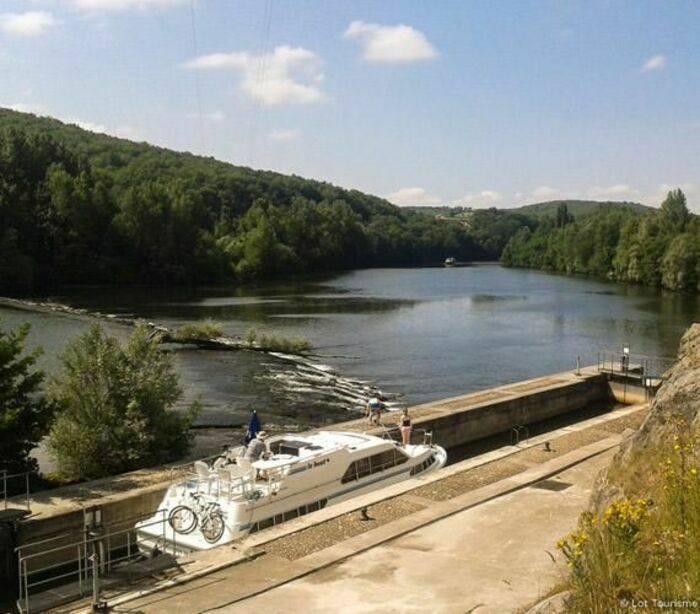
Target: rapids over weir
300,377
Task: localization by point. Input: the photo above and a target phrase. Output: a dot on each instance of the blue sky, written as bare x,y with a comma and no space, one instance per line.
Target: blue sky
476,103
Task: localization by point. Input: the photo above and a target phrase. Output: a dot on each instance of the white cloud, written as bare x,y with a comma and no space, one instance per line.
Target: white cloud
127,132
288,75
655,62
413,196
485,198
390,44
544,193
285,134
25,107
615,192
31,23
122,132
123,5
619,191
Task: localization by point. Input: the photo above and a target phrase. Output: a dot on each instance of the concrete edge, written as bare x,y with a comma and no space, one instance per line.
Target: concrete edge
388,531
508,391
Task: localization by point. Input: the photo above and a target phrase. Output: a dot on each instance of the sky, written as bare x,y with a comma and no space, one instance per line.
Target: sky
457,102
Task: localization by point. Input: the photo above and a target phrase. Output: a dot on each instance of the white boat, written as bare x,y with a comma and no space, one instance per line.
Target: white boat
303,473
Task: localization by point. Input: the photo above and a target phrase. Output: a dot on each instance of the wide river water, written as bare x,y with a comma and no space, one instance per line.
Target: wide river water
422,334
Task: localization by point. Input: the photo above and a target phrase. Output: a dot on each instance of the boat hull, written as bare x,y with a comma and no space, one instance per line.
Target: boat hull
310,486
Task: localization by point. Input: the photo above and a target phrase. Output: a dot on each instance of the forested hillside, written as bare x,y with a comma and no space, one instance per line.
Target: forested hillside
578,208
81,207
659,248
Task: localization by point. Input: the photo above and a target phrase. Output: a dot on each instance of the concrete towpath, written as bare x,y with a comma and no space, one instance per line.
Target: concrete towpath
496,557
492,550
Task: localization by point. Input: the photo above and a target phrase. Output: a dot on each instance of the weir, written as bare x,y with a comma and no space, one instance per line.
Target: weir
66,515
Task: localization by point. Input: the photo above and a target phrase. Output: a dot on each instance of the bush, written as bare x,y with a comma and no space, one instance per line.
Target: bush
642,548
271,343
116,407
202,330
24,414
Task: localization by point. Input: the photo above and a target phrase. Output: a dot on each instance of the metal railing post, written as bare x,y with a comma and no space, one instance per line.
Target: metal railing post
80,572
19,571
26,477
95,579
26,587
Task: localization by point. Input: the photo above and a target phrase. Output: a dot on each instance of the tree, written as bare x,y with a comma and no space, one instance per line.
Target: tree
24,413
675,211
563,216
679,267
117,406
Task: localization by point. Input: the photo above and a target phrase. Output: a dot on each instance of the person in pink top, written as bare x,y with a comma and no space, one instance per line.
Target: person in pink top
405,427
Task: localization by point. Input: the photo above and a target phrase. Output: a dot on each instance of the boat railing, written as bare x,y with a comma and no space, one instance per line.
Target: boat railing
188,469
393,433
234,478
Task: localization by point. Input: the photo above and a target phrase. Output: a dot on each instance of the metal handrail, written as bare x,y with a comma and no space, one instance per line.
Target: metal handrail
618,362
618,352
515,434
83,569
6,475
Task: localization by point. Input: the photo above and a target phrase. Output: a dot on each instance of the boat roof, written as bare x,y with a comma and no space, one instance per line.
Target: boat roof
323,441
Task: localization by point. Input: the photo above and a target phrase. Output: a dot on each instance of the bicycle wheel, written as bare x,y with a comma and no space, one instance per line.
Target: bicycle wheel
183,519
213,527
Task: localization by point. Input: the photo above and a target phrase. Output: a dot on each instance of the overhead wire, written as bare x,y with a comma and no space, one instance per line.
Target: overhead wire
197,84
262,55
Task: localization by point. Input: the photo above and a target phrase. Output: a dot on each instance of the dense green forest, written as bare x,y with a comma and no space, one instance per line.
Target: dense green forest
80,207
578,208
658,248
536,211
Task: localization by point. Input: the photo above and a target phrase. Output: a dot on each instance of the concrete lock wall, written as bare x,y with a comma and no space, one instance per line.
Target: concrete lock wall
629,394
452,429
66,528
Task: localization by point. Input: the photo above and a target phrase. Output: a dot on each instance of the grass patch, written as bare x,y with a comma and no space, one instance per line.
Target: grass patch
208,329
274,343
645,546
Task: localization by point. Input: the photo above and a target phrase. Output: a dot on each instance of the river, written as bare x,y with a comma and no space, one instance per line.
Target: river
421,334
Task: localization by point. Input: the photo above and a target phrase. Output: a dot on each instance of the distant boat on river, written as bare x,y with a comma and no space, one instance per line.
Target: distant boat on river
453,262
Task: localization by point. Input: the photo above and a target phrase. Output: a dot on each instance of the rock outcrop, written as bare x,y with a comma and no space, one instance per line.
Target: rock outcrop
676,406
